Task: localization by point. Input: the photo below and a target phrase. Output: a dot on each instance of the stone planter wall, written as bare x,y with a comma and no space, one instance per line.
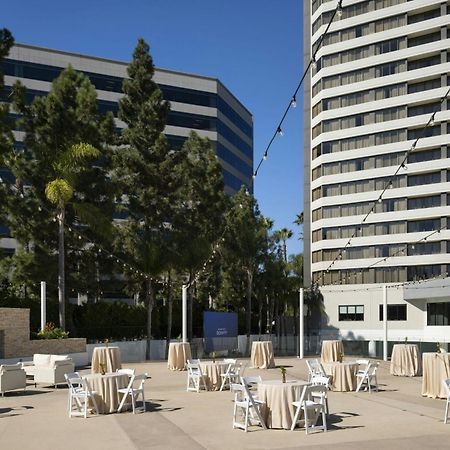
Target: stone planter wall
15,337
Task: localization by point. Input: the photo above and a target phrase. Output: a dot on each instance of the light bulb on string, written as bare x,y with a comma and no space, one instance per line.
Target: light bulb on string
280,131
313,63
432,120
265,156
339,10
294,101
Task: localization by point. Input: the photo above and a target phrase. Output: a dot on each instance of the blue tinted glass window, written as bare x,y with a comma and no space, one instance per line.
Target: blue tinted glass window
105,106
191,96
234,139
195,121
234,160
237,120
232,181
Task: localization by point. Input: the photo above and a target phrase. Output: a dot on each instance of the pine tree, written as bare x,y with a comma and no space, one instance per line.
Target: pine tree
6,136
144,170
53,124
200,207
246,242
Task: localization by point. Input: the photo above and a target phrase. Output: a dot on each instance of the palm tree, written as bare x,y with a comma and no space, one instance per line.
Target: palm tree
283,235
59,192
299,221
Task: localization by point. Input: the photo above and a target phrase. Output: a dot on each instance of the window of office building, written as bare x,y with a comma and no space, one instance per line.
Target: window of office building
438,314
351,313
394,312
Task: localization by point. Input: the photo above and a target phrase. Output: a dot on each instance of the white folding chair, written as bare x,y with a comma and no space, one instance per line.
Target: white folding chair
231,375
134,389
362,364
320,395
315,368
251,382
368,377
247,406
446,384
195,377
129,372
79,395
309,406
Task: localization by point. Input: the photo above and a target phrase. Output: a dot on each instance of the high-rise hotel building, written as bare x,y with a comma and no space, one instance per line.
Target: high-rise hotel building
381,72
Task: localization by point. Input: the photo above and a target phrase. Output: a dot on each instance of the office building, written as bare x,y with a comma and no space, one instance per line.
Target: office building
198,103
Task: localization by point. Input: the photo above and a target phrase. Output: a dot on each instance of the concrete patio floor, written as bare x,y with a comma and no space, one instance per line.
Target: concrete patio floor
397,417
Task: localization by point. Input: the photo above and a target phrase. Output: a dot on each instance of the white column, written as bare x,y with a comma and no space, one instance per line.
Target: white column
385,326
43,304
301,330
184,312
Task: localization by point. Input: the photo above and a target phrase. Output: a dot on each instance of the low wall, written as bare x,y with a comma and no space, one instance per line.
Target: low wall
16,343
134,351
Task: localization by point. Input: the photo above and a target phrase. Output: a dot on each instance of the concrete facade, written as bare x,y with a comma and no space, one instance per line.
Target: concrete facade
380,74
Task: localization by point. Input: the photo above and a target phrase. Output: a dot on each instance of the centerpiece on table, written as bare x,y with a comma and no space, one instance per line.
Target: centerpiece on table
102,368
406,340
340,357
106,342
283,374
213,356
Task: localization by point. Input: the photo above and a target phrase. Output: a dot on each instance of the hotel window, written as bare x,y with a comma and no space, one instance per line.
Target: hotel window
424,248
438,314
423,272
418,226
424,85
424,39
351,313
425,155
424,202
394,312
424,178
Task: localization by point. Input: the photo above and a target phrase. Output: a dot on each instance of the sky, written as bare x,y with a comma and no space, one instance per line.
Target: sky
253,46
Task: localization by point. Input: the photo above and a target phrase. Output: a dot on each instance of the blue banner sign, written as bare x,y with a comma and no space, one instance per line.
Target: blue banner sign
220,331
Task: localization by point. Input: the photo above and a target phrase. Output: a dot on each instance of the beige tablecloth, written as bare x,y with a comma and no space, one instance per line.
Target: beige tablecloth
262,355
405,360
331,350
179,353
110,356
278,411
436,367
105,387
343,375
212,371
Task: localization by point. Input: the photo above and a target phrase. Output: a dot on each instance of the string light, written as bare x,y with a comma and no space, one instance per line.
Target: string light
339,9
294,101
280,131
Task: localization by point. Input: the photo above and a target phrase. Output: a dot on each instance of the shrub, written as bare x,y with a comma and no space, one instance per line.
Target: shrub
51,332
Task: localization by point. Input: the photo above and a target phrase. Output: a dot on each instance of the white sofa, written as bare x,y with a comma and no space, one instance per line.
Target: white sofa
49,369
12,376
